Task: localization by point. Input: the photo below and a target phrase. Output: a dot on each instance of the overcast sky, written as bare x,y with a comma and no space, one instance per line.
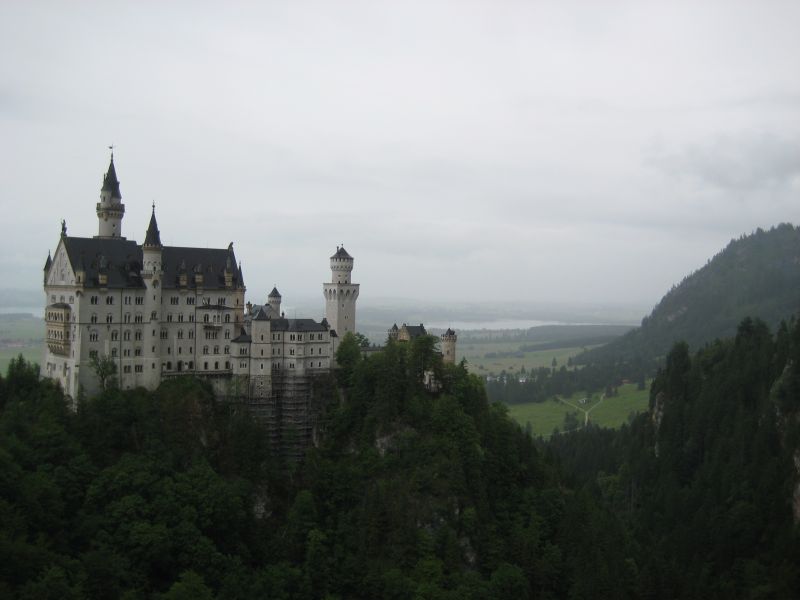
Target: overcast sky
483,151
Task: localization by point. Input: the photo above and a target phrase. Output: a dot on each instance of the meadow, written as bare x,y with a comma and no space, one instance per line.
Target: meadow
477,361
20,334
544,417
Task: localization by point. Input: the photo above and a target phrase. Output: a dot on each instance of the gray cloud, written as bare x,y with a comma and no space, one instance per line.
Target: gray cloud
743,162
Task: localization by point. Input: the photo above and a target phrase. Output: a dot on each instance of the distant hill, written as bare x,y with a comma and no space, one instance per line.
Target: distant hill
757,275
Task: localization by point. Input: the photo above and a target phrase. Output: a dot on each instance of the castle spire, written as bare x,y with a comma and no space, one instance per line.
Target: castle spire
110,209
110,181
153,237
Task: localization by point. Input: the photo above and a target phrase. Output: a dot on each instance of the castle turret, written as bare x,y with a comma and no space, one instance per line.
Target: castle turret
152,275
449,346
274,301
341,294
110,209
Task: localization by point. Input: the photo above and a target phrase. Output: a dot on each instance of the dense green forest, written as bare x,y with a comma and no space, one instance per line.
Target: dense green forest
757,275
414,491
705,483
413,494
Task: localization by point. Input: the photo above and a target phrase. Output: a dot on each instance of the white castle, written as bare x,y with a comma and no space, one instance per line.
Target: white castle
163,311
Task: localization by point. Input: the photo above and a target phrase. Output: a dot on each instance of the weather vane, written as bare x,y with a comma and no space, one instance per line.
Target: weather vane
111,147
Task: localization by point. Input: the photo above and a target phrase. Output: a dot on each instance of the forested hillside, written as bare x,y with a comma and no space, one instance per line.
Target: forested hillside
413,494
706,483
416,490
756,276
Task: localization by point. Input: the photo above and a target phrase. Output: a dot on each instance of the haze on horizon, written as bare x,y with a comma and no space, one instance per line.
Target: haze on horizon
461,151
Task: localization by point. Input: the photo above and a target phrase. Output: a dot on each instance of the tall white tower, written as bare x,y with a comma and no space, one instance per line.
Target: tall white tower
340,294
110,209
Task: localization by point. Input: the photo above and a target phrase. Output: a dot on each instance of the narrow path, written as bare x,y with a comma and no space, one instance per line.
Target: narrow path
583,410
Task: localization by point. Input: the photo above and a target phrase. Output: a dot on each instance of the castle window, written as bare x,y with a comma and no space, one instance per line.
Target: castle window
93,318
163,334
126,369
191,334
126,335
92,300
205,318
93,337
138,335
127,300
92,353
138,368
205,366
226,350
127,318
113,352
191,318
180,334
190,300
174,300
109,299
191,364
140,300
227,365
180,350
216,365
205,349
169,318
114,335
126,352
227,318
109,318
180,317
216,349
137,352
291,352
137,318
169,350
227,334
153,316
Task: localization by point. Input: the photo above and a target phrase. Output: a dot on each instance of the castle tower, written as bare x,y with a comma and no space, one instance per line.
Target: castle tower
110,209
449,346
274,301
341,294
152,275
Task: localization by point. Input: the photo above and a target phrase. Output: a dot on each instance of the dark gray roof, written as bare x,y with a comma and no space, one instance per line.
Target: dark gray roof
59,305
274,293
110,181
297,325
341,253
152,237
242,338
415,330
261,315
211,262
449,332
121,260
49,262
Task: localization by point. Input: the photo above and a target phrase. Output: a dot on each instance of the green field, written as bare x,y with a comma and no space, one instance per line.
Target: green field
20,334
544,417
478,363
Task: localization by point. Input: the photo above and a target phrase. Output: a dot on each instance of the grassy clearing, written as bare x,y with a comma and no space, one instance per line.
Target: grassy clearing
475,353
608,412
20,334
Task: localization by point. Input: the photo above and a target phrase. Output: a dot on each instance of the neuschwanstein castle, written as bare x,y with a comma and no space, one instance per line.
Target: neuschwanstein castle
164,311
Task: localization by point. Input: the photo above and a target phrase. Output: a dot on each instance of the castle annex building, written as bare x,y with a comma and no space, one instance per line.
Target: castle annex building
159,311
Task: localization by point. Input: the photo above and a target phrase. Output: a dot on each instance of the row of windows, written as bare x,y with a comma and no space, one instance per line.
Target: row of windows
226,350
61,299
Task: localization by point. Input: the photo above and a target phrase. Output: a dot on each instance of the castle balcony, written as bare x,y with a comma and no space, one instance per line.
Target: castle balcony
57,323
